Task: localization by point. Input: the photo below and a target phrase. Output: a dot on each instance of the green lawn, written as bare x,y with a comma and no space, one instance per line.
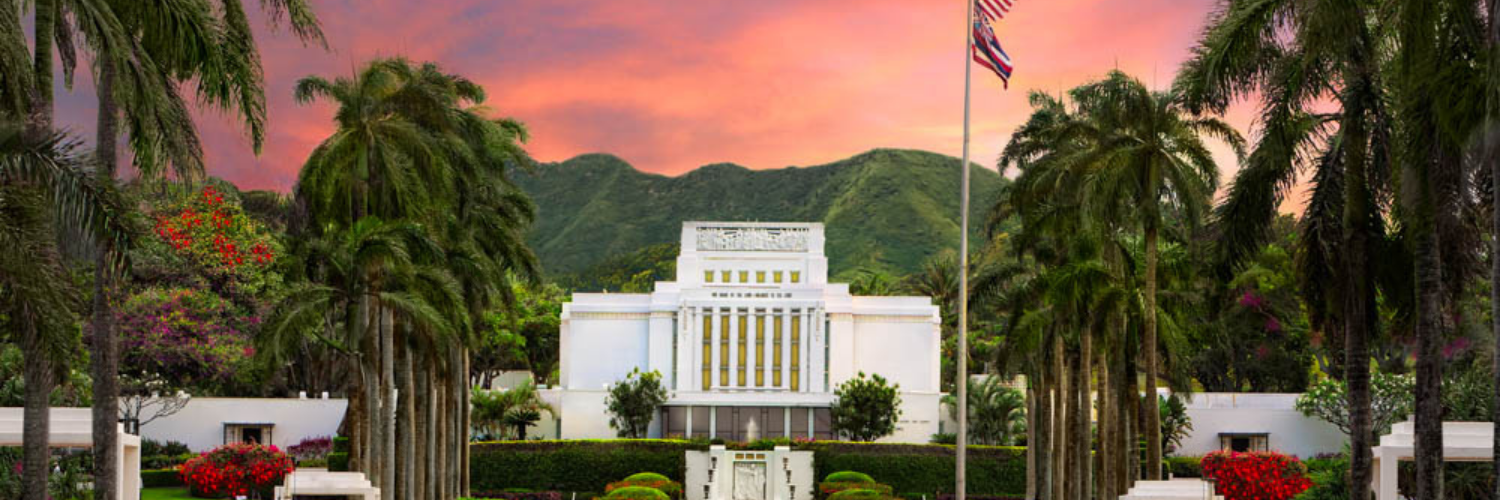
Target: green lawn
164,494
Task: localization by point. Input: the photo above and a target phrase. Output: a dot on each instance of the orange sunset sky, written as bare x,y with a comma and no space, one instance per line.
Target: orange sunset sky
671,85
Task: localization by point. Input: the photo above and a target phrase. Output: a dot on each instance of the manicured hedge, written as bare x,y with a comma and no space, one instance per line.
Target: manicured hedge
1185,466
341,444
926,468
161,478
575,465
338,461
515,495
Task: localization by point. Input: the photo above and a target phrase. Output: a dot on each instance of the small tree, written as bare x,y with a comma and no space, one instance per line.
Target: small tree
633,402
1390,402
865,409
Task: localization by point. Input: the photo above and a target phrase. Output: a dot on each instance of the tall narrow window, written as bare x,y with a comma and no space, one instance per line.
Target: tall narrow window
724,275
744,276
744,348
675,334
796,360
760,276
724,349
796,276
827,351
776,276
776,351
760,350
708,276
708,348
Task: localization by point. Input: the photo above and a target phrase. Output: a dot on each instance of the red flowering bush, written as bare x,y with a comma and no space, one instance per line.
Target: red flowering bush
203,236
1256,476
236,469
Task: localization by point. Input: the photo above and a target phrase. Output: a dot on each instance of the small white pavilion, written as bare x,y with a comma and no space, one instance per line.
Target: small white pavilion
1462,442
73,428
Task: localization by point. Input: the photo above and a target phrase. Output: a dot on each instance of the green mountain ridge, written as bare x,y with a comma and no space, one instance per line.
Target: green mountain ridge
886,209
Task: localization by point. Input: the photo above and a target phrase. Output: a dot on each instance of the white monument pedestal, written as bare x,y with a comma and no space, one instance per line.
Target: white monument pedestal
723,474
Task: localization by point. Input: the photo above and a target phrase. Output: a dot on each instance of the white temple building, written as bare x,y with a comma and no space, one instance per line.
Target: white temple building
751,341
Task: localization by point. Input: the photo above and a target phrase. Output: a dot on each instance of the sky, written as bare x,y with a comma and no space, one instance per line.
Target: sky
671,85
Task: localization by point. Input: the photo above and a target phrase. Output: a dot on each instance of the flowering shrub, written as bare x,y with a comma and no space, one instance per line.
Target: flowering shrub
311,448
1256,476
648,480
207,237
181,335
236,469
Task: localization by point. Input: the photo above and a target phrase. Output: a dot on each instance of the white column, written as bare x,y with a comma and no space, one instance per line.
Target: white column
687,433
713,347
687,346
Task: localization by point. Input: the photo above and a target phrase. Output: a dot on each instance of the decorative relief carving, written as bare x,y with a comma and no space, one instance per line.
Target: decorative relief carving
892,318
610,315
753,239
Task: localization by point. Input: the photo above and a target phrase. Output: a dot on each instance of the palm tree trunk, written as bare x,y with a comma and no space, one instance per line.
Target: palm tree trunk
466,424
406,428
1121,444
1427,249
419,424
459,435
36,419
1042,435
1031,413
354,415
44,25
1148,347
104,359
1059,420
388,404
1359,294
434,416
440,478
1493,155
1083,431
1103,463
1132,448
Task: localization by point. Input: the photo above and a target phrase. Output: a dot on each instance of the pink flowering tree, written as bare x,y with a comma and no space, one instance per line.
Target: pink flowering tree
174,340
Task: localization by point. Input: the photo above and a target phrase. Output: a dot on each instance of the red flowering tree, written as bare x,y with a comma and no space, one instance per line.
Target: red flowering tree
206,237
235,470
1256,476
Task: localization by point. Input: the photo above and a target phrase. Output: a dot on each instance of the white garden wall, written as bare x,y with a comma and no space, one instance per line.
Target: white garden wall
200,424
1273,414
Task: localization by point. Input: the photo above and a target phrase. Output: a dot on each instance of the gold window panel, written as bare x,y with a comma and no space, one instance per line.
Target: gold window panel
796,360
796,276
760,349
760,276
708,348
744,276
724,349
724,275
744,349
708,276
776,276
776,351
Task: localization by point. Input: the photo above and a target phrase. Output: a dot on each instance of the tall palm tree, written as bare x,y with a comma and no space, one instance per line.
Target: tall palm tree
43,191
1297,55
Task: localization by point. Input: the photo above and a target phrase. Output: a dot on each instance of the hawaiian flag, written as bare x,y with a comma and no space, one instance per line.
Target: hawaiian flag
987,51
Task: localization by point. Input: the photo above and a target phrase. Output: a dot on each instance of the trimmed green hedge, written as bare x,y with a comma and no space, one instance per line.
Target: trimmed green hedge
338,461
341,444
573,465
925,468
848,476
589,465
161,478
637,493
1185,466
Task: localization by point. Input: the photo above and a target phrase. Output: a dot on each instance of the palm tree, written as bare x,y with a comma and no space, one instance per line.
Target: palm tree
1296,55
41,192
997,410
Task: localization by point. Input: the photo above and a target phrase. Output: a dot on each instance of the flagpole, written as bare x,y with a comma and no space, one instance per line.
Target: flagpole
962,380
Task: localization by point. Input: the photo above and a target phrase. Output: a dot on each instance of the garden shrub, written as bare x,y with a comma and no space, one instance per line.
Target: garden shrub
637,493
848,476
1256,476
926,468
860,494
1185,466
311,448
573,465
827,489
161,478
236,469
165,461
516,495
313,463
341,444
338,461
950,496
649,480
1330,480
150,447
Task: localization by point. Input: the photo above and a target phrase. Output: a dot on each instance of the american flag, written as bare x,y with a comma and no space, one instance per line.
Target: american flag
992,10
986,47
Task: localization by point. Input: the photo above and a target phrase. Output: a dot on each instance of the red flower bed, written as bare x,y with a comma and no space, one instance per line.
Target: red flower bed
236,469
1256,476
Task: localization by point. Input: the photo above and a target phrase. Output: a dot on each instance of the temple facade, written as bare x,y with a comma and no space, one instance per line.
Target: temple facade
751,341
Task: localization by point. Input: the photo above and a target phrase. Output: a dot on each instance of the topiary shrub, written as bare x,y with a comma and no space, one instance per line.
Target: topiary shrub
338,461
925,468
517,495
649,480
1185,466
860,494
637,493
235,470
574,465
848,476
